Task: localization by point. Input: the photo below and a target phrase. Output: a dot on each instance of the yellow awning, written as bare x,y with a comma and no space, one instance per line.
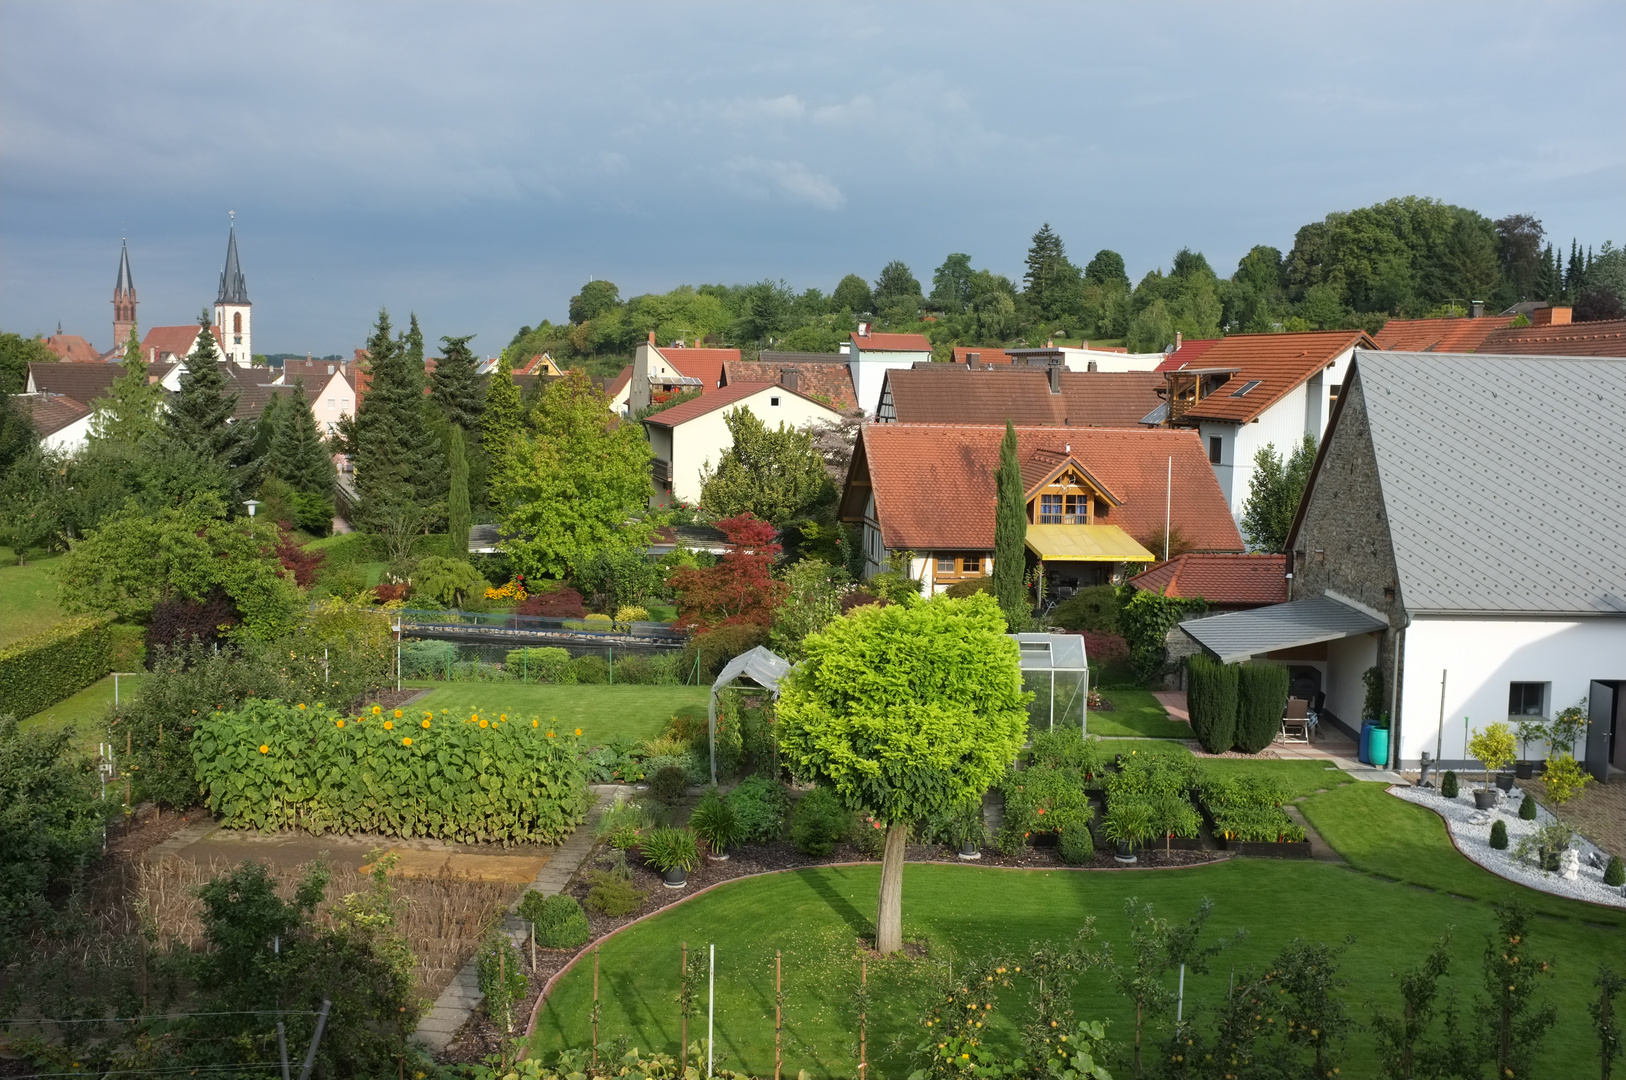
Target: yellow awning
1085,543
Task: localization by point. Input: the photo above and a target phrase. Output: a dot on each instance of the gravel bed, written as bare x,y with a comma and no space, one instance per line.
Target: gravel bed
1470,829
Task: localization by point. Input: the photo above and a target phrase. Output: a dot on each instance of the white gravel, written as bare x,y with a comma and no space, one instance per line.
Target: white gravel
1471,828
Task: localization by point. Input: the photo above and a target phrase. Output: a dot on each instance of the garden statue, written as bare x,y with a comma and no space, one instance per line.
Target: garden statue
1569,865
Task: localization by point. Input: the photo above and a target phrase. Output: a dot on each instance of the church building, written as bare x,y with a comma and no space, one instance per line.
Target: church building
232,309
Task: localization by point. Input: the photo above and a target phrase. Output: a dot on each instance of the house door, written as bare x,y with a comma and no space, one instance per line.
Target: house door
1605,741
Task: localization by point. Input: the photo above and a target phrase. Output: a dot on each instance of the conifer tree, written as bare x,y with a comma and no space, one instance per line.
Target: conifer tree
301,459
1010,533
199,419
458,519
398,456
456,388
412,345
504,415
129,414
1051,283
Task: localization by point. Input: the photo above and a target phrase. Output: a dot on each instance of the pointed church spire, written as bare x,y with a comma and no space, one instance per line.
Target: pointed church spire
126,283
233,289
124,300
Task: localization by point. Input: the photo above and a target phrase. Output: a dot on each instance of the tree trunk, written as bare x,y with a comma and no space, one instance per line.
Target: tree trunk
889,919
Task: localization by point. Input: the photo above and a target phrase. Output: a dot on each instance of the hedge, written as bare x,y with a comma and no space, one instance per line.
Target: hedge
40,671
1211,698
1261,697
273,765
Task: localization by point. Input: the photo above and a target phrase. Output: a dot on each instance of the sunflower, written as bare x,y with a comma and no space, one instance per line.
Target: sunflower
578,733
301,705
340,723
389,725
407,741
426,722
485,723
398,714
264,749
377,710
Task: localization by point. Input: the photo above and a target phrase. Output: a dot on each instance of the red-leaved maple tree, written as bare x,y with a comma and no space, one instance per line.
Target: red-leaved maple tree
740,589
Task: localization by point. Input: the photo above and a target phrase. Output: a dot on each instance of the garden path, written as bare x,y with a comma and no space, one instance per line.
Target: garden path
458,1001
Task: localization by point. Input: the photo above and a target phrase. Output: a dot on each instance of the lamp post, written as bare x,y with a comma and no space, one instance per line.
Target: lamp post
253,505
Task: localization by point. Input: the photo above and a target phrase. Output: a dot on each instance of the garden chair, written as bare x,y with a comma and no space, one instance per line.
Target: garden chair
1296,721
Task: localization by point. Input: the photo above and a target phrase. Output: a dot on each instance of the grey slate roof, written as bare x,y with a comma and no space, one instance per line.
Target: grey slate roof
233,289
1241,634
125,283
1502,479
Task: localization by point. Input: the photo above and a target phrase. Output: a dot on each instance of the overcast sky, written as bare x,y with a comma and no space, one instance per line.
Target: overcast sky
477,162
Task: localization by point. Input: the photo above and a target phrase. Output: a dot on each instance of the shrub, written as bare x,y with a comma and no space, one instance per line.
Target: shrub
1041,800
1527,808
715,648
668,848
1615,873
1261,697
501,978
1498,835
1064,748
612,895
271,765
1211,699
962,589
1075,846
668,783
647,670
956,826
1564,778
559,920
590,670
128,646
631,613
860,598
561,603
1448,784
1109,659
550,665
623,824
820,820
1095,609
478,671
759,804
427,659
39,671
1145,622
715,822
176,622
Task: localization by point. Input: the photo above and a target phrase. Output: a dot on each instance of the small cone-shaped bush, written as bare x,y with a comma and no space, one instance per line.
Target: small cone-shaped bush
1527,808
1448,785
1498,839
1615,872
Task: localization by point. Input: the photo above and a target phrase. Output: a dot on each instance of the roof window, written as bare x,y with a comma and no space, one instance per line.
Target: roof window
1242,391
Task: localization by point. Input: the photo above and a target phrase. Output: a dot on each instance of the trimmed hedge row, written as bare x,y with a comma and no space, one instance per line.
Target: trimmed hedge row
1235,705
40,671
403,773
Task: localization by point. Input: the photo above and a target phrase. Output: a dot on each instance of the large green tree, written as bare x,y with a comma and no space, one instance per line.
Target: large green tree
952,283
1106,268
130,412
852,295
455,386
1051,284
597,298
897,292
399,459
458,518
1273,497
504,415
906,711
776,474
301,458
575,485
16,353
1010,533
199,420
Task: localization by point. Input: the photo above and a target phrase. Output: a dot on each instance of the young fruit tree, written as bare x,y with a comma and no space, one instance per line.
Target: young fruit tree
905,712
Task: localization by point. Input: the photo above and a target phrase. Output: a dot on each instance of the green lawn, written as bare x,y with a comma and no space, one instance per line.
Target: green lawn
28,597
1135,712
602,712
87,710
817,917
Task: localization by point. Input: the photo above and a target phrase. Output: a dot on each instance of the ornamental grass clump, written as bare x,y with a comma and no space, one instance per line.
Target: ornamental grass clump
715,822
271,765
670,849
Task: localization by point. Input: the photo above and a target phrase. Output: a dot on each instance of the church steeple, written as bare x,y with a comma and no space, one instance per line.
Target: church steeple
233,289
233,312
124,300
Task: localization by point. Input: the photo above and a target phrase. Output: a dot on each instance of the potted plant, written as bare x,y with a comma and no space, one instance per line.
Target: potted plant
1128,822
966,829
1568,726
674,852
1495,749
715,822
1531,729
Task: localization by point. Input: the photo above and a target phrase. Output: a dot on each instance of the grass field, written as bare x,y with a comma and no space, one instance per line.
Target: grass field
818,916
602,712
27,597
86,710
1135,712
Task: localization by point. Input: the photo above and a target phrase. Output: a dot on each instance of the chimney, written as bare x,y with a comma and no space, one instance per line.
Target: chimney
1050,343
652,337
1092,365
863,329
1055,378
1477,311
972,359
1550,316
789,378
697,343
1177,338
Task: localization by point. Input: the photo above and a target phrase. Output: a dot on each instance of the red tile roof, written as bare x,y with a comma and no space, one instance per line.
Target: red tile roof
717,399
1605,338
873,342
1186,353
1280,362
73,349
934,484
949,394
829,381
50,413
1224,580
79,382
703,364
176,340
984,354
1438,335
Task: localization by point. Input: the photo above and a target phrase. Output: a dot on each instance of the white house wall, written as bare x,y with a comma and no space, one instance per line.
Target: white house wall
71,439
869,372
1481,657
703,440
1081,359
1347,660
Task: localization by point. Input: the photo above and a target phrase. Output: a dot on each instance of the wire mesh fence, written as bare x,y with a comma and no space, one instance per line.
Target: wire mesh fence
568,663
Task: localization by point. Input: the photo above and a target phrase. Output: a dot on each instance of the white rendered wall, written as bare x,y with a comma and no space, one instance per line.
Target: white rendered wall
240,353
71,439
1481,657
332,403
703,440
1080,360
1347,660
869,372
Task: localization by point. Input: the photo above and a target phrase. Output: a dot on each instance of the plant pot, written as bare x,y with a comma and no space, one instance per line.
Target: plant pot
1125,853
676,878
969,852
1485,800
1504,781
1524,770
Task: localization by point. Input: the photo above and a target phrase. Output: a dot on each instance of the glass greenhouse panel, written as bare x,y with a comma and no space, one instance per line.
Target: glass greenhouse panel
1054,671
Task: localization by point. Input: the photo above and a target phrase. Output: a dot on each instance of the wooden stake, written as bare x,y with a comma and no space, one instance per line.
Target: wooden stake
863,981
533,948
502,981
778,1009
595,1004
683,1009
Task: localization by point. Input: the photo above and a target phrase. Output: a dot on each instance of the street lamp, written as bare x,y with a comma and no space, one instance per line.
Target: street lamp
253,505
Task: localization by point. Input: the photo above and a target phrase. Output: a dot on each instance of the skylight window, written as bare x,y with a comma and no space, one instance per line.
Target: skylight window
1242,391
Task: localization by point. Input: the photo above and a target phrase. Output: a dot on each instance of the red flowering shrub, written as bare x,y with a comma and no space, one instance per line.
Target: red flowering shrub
740,589
1105,649
561,603
176,623
300,563
387,591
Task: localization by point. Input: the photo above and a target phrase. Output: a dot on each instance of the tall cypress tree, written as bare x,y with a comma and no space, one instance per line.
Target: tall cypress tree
455,386
199,419
412,345
458,519
1010,533
301,459
398,456
504,414
129,414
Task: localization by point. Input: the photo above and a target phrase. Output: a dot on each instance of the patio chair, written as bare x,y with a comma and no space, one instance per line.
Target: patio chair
1296,721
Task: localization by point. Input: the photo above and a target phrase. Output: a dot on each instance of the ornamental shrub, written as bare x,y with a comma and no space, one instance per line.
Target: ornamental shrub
612,895
715,648
1498,835
177,622
1261,698
271,764
1565,778
550,665
1095,609
1448,784
427,659
1527,808
1211,700
1075,846
559,920
560,603
590,670
39,671
647,670
668,783
760,803
820,820
1615,873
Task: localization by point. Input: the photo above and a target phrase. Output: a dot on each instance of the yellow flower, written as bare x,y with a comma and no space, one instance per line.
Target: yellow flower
339,722
502,716
264,749
389,725
550,734
426,722
578,732
533,723
301,705
398,714
475,718
485,723
407,741
376,710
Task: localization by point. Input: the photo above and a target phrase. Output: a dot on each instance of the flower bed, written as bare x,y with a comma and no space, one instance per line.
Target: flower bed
401,773
1246,815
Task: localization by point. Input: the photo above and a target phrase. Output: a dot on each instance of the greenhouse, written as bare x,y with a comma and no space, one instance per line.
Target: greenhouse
1054,671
